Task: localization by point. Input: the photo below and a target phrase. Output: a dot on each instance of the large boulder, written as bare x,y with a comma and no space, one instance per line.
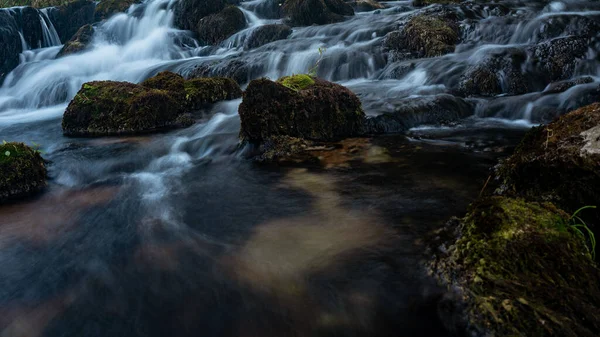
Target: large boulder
106,8
267,34
519,269
215,28
23,171
111,108
423,36
320,12
441,109
299,106
195,93
189,12
79,42
10,42
28,18
558,162
67,19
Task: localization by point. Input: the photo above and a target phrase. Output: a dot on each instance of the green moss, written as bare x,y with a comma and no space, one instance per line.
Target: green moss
209,90
22,171
430,36
166,80
297,82
524,272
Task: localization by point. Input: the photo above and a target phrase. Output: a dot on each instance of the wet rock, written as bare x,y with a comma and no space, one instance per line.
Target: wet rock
366,5
78,42
112,108
300,107
567,25
320,12
268,9
107,8
187,13
558,162
23,172
267,34
436,110
67,19
32,28
215,28
496,74
10,42
239,70
195,93
519,269
423,36
420,3
556,60
558,87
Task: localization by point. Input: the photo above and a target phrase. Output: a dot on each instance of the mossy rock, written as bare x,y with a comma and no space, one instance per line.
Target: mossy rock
321,110
113,108
297,82
215,28
558,162
208,90
107,8
187,13
521,270
22,171
320,12
79,42
425,36
35,3
420,3
67,19
167,81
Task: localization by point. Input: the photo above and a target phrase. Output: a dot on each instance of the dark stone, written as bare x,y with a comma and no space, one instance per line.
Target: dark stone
556,60
23,171
78,42
268,9
189,12
267,34
366,5
10,43
558,87
69,18
306,108
106,8
320,12
215,28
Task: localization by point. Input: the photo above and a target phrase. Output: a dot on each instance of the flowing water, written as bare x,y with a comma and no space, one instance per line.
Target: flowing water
180,234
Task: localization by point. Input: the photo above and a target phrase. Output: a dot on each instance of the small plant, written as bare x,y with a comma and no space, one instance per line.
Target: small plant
580,226
313,71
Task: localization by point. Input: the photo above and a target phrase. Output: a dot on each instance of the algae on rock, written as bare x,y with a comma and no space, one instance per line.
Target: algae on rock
22,171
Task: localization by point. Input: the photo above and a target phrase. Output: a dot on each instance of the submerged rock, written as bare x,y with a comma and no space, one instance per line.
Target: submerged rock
22,169
299,106
441,109
187,13
423,36
111,108
107,8
320,12
520,269
267,34
215,28
558,162
78,42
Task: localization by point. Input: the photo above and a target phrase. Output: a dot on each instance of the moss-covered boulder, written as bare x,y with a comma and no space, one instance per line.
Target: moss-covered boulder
112,108
558,162
320,12
299,106
195,93
557,59
79,42
424,36
187,13
106,8
22,171
267,34
521,269
215,28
